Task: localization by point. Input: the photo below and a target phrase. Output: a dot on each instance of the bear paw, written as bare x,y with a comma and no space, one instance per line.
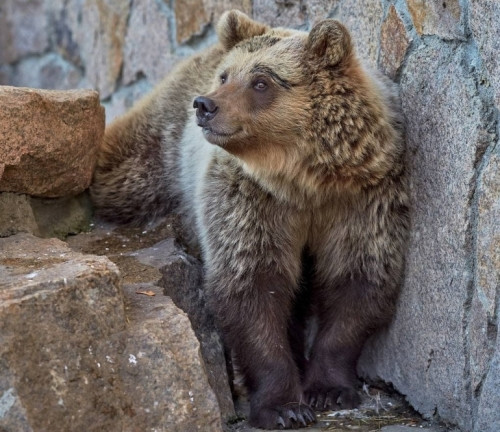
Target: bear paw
332,398
288,416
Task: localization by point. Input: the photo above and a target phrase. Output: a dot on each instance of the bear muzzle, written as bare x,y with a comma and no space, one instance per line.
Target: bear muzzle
218,131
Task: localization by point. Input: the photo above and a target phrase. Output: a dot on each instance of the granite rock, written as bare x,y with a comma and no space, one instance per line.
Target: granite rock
55,306
158,268
74,358
317,10
364,24
394,43
194,16
288,13
488,418
445,132
6,73
66,30
101,37
191,18
438,17
60,217
162,370
49,140
483,328
484,16
50,71
16,215
23,29
147,50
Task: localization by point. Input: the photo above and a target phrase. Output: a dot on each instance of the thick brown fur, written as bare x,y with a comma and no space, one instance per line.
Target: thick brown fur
294,182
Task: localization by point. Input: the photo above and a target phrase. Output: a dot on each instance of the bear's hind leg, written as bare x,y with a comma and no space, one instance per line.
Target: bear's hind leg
347,314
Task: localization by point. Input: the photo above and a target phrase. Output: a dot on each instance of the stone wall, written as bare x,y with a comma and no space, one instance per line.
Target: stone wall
443,349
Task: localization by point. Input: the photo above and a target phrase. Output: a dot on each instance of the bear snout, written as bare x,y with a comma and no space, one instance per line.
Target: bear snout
206,109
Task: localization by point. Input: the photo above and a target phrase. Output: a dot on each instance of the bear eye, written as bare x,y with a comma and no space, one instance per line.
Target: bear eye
223,78
260,85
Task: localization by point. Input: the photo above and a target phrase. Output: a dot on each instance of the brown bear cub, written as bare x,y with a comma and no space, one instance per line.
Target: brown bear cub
285,156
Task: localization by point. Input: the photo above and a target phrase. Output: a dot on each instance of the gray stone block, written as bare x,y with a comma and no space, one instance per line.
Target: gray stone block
16,215
484,16
50,71
147,49
426,351
364,23
488,417
23,29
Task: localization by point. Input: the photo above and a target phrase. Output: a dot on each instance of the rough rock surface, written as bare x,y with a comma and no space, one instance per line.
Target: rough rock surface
194,16
44,217
438,17
74,358
147,50
488,419
24,29
55,307
484,17
394,43
163,372
433,320
47,72
16,215
49,140
182,280
277,13
101,37
364,24
148,264
484,335
318,10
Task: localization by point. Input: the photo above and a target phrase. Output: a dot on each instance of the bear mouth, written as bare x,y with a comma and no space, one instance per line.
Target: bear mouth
208,130
218,137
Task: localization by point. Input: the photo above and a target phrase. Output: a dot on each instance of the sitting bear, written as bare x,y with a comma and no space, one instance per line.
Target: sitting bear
285,157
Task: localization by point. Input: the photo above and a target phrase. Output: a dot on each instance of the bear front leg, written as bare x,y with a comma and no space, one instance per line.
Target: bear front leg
347,313
254,322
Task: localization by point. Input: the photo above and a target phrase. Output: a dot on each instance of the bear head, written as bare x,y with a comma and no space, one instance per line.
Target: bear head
293,104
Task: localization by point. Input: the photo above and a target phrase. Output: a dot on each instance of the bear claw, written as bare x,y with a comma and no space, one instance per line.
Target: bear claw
333,398
283,417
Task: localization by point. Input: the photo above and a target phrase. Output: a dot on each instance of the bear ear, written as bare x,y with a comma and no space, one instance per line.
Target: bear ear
234,26
330,42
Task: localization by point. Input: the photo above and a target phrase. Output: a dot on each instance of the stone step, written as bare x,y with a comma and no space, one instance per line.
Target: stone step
72,360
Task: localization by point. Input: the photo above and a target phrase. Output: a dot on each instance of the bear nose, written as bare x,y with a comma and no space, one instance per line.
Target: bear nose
206,108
